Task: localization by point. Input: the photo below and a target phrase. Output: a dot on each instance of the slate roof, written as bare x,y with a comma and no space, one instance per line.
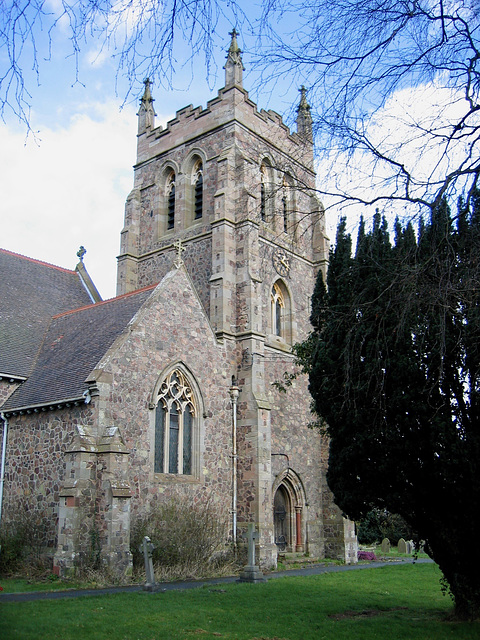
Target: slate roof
31,292
73,345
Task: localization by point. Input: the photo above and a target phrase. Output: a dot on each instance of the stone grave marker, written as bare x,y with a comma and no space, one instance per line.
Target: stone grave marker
251,572
385,546
410,547
402,546
147,548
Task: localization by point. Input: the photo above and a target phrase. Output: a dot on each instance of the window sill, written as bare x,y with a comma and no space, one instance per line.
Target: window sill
277,343
170,478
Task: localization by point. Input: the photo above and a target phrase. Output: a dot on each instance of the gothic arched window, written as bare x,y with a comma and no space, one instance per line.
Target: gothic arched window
175,416
281,325
170,191
263,192
278,311
266,181
285,203
197,181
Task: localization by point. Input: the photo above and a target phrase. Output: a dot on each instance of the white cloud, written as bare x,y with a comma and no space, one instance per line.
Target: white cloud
134,15
411,129
98,56
69,190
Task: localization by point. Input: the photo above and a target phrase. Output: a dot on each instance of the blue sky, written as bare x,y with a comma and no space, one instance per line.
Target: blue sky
64,183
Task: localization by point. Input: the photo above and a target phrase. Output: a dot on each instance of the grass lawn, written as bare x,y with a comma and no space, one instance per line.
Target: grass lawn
24,585
389,603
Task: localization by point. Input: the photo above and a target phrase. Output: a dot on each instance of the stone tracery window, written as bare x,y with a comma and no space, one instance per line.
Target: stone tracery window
175,416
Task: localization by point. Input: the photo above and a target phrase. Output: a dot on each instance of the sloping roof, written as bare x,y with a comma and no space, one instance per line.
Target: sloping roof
31,292
74,344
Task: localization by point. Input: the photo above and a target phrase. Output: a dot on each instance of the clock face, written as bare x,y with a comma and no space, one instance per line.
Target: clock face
281,262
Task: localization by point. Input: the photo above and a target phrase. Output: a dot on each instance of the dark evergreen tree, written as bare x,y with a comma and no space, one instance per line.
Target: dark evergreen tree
394,369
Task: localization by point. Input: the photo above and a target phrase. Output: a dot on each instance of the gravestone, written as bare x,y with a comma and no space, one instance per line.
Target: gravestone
147,548
402,546
410,547
385,546
251,572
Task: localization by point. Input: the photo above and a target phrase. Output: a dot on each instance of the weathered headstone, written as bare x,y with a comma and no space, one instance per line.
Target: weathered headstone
147,548
402,546
410,547
251,572
385,546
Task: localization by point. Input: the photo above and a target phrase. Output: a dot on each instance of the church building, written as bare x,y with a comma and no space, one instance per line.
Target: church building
167,391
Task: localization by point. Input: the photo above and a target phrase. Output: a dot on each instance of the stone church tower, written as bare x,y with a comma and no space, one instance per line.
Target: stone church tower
230,190
166,393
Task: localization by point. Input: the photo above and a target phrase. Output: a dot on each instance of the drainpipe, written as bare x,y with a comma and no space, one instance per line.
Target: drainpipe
234,393
4,455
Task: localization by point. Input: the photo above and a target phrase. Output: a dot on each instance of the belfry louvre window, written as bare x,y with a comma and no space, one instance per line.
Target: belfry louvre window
171,202
263,195
285,199
198,191
174,420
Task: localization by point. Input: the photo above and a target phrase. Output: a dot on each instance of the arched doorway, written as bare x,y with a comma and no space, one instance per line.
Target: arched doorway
289,513
282,518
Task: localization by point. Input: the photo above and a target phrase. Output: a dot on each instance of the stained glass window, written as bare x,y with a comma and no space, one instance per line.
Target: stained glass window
174,422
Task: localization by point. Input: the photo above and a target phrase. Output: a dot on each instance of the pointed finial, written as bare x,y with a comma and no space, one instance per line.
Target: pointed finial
146,113
147,94
234,66
303,98
81,252
304,117
233,44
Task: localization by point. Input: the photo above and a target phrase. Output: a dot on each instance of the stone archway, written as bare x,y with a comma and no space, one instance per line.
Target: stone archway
281,519
289,512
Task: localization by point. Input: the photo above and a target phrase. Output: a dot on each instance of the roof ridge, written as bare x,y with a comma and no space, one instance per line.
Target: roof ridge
99,304
47,264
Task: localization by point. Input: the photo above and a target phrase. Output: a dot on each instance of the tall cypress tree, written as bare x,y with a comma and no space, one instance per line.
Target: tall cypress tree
394,370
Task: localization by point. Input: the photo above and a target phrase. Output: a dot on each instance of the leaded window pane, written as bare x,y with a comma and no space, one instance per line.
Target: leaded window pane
187,440
173,443
159,438
278,309
278,318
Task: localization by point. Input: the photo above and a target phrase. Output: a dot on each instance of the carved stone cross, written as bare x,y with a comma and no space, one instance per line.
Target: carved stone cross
179,248
147,548
251,573
252,537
